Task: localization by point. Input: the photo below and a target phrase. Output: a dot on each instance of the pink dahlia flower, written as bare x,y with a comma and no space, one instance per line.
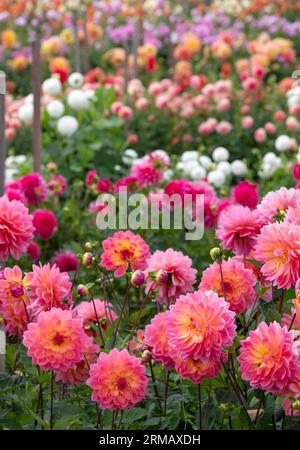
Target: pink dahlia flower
177,278
200,369
124,250
200,325
156,338
45,223
278,202
16,229
56,341
245,194
66,261
239,284
267,358
13,301
34,188
34,251
80,371
238,227
278,248
48,288
150,169
118,380
57,185
104,314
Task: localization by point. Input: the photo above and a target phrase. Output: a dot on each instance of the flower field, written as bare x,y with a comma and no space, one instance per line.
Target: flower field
149,215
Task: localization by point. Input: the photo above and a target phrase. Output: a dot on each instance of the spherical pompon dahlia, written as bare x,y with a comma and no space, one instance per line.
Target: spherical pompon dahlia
104,314
198,370
45,223
124,250
34,188
278,247
200,325
48,288
56,341
267,358
156,338
179,275
238,227
16,229
239,283
278,202
66,261
118,380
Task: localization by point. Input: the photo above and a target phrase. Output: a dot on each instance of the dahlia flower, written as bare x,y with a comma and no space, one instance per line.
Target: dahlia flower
150,169
34,188
238,227
118,380
179,279
57,185
123,250
278,202
48,288
56,341
200,325
156,338
245,194
16,229
104,314
267,358
13,301
239,284
45,223
198,370
278,247
66,261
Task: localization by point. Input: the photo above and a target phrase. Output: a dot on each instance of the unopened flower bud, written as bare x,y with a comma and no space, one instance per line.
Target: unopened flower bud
87,259
161,277
216,253
52,166
146,356
138,278
88,246
82,290
296,405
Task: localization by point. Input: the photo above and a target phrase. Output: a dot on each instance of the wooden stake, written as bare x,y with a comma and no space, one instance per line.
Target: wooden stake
36,89
76,42
2,132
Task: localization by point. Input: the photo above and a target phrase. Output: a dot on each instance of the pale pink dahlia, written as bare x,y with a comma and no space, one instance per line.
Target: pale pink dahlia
278,247
267,358
200,325
16,229
239,283
174,275
276,203
124,250
198,370
104,314
56,341
13,301
118,380
80,371
238,227
156,338
48,288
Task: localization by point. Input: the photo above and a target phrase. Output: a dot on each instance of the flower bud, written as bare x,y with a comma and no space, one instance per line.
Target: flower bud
52,166
138,278
146,356
88,246
87,259
161,277
216,253
296,405
82,290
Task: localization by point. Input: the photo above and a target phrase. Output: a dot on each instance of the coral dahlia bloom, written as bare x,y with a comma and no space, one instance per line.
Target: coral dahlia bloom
156,338
124,250
48,288
80,371
239,284
179,279
238,227
200,325
45,223
267,358
16,229
56,341
278,247
104,314
278,202
118,380
198,370
13,301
